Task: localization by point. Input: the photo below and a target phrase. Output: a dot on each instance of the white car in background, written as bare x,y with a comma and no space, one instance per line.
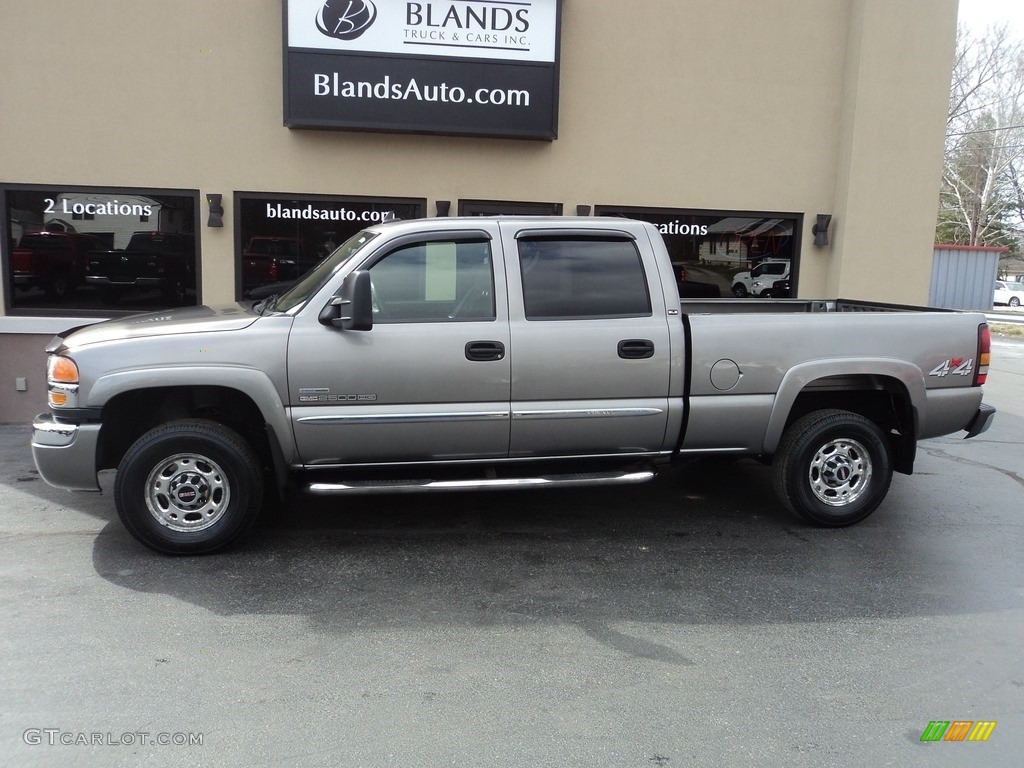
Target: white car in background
759,280
1010,294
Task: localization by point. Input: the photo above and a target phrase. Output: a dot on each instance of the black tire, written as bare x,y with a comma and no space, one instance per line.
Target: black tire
60,286
1014,301
110,295
174,293
739,291
832,468
189,487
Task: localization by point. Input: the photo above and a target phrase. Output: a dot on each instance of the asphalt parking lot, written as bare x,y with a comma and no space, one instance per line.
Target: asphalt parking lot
687,622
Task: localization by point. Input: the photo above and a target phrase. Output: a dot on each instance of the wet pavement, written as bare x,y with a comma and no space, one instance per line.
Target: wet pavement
690,621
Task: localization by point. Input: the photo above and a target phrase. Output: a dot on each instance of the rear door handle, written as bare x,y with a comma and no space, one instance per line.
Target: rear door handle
485,350
636,349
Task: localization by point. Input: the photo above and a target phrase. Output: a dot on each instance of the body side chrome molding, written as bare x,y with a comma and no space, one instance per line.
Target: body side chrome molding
588,413
404,418
420,418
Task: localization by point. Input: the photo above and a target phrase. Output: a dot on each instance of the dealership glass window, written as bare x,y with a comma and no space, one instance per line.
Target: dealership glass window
726,253
582,277
92,250
280,237
507,208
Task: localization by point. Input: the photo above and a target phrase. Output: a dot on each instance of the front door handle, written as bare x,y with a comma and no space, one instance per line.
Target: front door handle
485,350
636,349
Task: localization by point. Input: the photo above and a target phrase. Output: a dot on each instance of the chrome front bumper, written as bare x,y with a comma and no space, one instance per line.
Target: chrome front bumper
65,454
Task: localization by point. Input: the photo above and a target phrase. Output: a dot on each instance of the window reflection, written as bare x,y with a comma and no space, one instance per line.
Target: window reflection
76,249
282,237
724,255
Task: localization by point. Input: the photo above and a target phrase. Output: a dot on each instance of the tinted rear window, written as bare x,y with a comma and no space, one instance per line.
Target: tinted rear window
582,277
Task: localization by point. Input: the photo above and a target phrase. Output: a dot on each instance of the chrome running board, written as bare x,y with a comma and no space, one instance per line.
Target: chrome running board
481,484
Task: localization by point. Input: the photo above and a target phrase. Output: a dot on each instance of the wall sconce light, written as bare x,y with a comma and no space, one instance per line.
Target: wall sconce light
443,207
820,229
216,218
582,210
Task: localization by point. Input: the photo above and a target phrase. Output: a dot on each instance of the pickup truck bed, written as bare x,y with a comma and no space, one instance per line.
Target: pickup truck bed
857,370
458,354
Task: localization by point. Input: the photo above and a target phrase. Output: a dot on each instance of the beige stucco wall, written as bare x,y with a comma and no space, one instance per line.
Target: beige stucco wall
896,94
797,106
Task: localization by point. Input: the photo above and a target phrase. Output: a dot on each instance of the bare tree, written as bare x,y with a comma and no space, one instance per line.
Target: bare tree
982,200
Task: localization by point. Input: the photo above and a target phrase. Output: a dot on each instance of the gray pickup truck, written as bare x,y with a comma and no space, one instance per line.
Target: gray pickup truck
465,354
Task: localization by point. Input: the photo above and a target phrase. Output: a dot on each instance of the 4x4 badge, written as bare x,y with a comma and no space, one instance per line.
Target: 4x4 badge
955,366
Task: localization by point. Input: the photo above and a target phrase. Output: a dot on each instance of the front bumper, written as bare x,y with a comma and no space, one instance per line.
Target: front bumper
65,454
25,281
125,282
982,420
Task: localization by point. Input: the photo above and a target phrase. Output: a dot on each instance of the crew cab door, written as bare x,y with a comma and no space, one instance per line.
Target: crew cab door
430,380
591,353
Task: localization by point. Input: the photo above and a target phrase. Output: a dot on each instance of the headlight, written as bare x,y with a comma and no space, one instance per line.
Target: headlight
62,382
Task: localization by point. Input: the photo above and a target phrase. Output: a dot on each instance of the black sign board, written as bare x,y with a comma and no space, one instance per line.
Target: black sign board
456,67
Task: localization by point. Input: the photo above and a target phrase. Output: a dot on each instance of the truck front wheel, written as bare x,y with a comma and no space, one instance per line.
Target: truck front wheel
188,487
833,468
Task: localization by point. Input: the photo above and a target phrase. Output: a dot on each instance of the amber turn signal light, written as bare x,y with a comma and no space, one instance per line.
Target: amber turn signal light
62,370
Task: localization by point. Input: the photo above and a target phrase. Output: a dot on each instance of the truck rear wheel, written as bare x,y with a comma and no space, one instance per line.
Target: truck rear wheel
110,294
174,292
833,468
60,285
189,487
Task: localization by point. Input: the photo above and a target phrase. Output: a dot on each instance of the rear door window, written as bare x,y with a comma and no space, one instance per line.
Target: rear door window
587,277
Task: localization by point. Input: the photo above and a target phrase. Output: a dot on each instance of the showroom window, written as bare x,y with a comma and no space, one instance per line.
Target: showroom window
280,237
723,254
97,250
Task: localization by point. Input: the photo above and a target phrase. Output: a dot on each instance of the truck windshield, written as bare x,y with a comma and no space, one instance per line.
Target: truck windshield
309,283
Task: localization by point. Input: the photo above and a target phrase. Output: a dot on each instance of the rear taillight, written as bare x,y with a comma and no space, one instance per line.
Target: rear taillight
273,272
984,354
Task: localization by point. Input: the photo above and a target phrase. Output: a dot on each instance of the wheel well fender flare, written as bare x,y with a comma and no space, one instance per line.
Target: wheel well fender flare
798,378
254,383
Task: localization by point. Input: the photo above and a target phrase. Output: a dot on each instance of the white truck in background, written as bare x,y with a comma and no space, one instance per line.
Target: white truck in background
759,280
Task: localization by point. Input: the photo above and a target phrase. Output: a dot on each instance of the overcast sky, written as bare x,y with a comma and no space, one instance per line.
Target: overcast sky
979,14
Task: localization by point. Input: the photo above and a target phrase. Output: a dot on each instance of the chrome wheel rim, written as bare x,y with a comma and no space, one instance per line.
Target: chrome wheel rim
187,492
840,472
